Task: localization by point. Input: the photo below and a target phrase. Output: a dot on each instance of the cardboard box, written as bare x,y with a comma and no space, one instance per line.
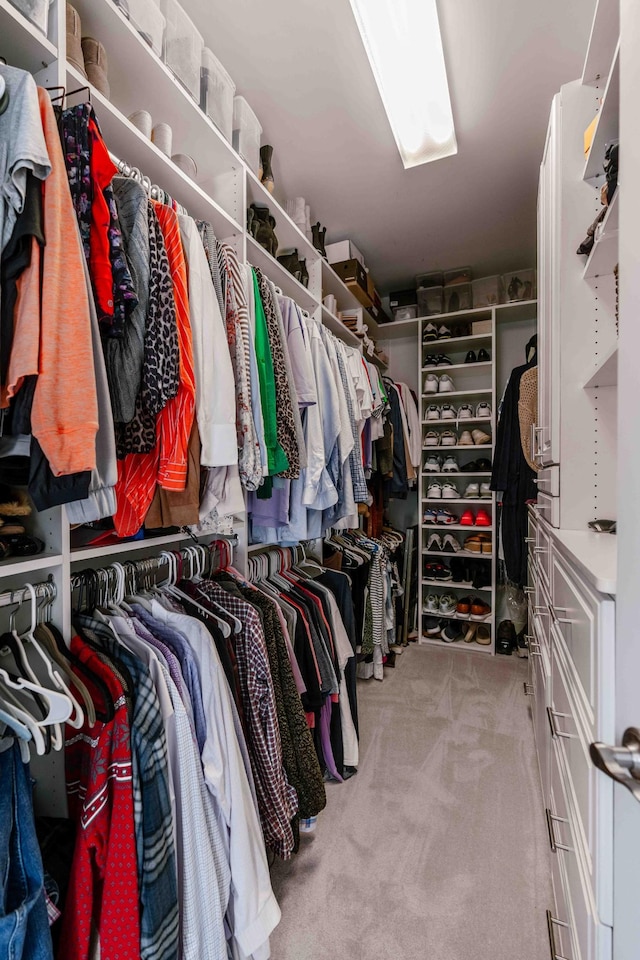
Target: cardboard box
353,274
371,288
481,326
402,298
343,250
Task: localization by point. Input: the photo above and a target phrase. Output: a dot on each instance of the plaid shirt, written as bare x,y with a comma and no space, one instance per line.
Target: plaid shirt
277,799
159,920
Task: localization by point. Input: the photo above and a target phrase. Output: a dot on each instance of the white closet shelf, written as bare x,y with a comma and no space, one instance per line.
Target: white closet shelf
604,255
596,554
455,586
469,528
515,310
476,500
347,300
23,44
378,362
458,423
258,257
288,233
127,143
472,647
605,31
462,618
607,126
128,546
456,393
458,366
340,329
140,80
460,446
14,566
605,373
466,554
457,343
454,473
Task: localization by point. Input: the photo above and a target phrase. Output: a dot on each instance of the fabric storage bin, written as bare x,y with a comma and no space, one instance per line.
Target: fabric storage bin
146,17
429,300
519,285
487,291
217,91
459,275
183,46
457,297
405,313
433,279
246,133
37,11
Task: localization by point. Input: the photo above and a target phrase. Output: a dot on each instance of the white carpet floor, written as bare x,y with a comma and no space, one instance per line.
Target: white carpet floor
437,848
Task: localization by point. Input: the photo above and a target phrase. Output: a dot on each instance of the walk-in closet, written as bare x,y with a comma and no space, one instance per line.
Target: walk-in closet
319,527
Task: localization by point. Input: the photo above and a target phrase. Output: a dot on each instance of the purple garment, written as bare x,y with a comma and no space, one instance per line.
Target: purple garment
180,646
273,512
301,367
368,445
171,660
325,737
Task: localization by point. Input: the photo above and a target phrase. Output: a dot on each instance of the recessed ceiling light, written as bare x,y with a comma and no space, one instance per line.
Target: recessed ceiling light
404,45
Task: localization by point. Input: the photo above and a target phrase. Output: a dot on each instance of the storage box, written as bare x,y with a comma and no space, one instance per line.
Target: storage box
35,10
430,300
405,313
487,291
353,274
146,17
354,319
343,250
217,91
433,279
371,288
519,285
246,133
481,326
183,46
402,298
459,275
457,297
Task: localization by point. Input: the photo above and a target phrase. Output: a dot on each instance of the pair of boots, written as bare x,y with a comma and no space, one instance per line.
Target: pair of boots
300,213
475,572
261,225
86,54
295,266
265,173
318,237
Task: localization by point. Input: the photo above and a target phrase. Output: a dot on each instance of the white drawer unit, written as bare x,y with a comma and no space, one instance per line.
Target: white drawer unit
548,481
549,508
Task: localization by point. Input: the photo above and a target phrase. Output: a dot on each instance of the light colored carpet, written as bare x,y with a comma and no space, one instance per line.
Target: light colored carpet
438,847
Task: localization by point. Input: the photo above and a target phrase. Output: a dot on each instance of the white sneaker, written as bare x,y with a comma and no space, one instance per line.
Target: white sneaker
433,412
472,492
435,542
483,410
430,383
430,332
445,384
485,491
432,605
447,412
450,544
432,439
450,465
450,491
444,333
465,412
432,464
480,438
466,439
448,438
434,491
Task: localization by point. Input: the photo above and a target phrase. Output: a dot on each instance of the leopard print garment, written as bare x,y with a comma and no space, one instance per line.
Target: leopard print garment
161,363
284,410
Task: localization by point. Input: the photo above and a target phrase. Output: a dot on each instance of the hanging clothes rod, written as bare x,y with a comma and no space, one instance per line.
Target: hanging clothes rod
155,192
46,589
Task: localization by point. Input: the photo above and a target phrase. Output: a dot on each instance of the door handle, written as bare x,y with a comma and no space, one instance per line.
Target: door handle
553,922
553,843
622,764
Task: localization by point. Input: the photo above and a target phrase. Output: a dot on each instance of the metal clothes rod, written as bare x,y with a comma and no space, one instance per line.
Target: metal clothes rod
11,597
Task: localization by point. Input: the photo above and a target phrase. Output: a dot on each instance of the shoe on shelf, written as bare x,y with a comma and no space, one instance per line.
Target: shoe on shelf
472,492
448,438
431,360
448,604
480,609
430,383
434,491
431,439
432,604
467,520
433,464
431,626
470,357
470,632
450,544
483,635
433,412
430,332
480,574
483,356
483,466
483,410
452,632
466,440
465,412
444,333
442,360
441,572
435,543
445,516
480,438
522,648
447,412
485,491
445,384
457,567
450,491
483,519
470,467
429,516
450,465
464,606
429,572
478,543
506,641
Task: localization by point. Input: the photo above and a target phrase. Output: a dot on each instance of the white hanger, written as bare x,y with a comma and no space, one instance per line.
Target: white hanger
172,589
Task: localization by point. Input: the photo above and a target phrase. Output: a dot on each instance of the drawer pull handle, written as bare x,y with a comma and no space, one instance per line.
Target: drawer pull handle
529,591
622,764
554,844
529,539
528,689
540,550
553,922
555,733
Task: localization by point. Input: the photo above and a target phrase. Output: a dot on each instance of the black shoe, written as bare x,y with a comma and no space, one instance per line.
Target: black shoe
483,466
441,572
471,467
457,566
470,357
452,632
432,360
506,638
443,361
481,574
432,626
522,648
483,356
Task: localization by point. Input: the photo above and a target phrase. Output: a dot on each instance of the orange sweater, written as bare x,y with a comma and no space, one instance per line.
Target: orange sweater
64,416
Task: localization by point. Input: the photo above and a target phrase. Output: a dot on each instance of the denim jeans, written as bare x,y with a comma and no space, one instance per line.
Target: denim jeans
24,925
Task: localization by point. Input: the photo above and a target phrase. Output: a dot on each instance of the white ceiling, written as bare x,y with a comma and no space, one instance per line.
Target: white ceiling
303,69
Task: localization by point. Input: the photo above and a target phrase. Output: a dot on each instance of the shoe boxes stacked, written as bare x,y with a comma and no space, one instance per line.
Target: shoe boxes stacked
452,290
353,272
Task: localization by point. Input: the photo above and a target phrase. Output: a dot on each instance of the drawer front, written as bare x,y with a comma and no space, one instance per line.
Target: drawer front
589,794
549,508
548,481
584,621
540,670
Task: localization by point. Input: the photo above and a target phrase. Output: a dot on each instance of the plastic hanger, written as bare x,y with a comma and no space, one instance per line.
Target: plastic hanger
175,591
13,708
